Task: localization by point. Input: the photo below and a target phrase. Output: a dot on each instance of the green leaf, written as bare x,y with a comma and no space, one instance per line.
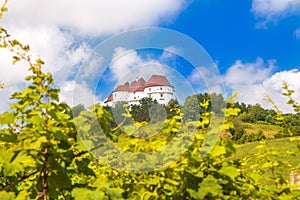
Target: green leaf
22,195
39,61
86,194
4,9
230,171
7,137
7,118
7,195
16,59
83,166
115,193
270,164
59,179
209,186
218,150
291,102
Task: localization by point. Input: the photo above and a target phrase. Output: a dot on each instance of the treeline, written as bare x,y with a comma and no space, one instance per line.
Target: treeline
194,106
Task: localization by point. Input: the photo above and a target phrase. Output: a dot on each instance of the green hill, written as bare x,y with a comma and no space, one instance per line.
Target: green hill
284,147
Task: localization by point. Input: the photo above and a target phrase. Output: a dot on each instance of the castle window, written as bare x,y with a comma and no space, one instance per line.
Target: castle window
161,95
161,88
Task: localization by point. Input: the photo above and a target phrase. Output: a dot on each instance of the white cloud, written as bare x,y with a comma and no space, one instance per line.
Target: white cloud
170,52
254,81
49,43
267,8
124,61
127,65
240,74
92,17
92,68
82,95
207,79
272,10
52,29
297,33
55,47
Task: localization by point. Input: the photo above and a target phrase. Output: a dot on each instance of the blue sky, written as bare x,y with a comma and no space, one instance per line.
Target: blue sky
255,44
228,31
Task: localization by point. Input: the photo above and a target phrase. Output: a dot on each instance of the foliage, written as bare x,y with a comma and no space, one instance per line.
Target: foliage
256,113
42,158
38,138
218,103
251,137
171,107
142,112
76,110
191,109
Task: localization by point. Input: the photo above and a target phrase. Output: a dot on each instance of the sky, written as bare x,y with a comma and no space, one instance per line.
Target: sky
248,46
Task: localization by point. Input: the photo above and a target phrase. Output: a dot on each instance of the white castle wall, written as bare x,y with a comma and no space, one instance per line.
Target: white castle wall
163,94
120,96
135,97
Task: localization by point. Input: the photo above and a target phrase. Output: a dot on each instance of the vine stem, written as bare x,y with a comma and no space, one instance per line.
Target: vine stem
20,180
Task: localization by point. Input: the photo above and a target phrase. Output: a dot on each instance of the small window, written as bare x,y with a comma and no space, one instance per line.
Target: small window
161,88
134,97
161,95
149,89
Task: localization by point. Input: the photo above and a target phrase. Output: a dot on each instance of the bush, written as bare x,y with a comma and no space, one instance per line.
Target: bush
252,137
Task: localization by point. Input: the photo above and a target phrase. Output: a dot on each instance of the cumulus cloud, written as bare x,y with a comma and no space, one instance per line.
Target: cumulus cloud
92,17
240,74
254,81
207,79
266,8
57,30
297,33
272,10
55,47
77,93
170,53
127,65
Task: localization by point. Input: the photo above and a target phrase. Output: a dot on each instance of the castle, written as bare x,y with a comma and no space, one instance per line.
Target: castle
157,87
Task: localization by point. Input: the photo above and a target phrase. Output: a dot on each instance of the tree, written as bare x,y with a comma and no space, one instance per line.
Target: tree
76,110
255,113
140,112
191,109
171,107
218,103
118,112
38,138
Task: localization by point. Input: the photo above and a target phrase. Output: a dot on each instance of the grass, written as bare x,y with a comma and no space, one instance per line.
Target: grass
282,146
268,130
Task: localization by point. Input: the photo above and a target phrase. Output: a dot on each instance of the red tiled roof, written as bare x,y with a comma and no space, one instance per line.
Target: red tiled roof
110,98
157,80
135,84
122,88
141,84
139,89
